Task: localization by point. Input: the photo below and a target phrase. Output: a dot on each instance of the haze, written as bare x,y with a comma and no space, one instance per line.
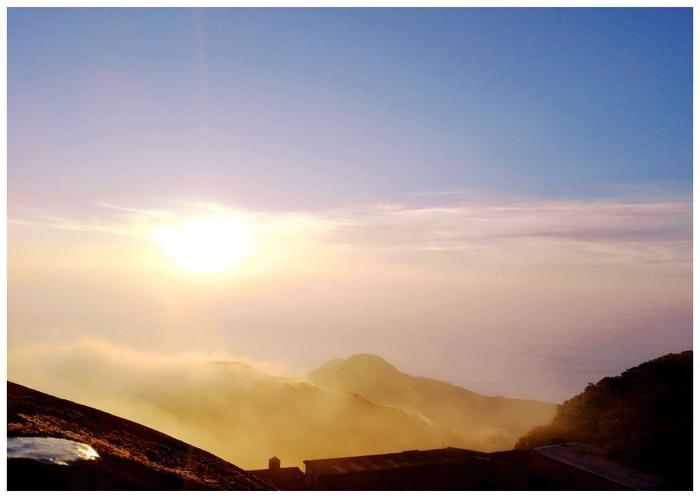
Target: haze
498,198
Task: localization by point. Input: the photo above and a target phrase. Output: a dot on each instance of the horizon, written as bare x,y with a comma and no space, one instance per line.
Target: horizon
496,198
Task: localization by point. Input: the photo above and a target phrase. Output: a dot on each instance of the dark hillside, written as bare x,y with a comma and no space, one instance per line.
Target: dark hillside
643,417
132,456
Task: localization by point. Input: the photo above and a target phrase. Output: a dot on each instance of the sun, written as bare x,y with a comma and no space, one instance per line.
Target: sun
206,246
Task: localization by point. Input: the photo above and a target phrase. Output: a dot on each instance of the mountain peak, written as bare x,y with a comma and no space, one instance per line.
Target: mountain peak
361,364
369,360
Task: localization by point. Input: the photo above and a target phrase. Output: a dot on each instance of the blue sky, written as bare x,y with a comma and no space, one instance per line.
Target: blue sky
297,108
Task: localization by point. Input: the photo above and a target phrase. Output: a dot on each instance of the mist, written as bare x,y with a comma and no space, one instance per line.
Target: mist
241,411
503,298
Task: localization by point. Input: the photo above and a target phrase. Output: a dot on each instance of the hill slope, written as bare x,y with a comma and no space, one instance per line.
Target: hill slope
643,417
132,456
228,408
463,418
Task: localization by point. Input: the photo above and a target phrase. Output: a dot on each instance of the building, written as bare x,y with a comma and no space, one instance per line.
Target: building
440,469
564,467
284,478
584,467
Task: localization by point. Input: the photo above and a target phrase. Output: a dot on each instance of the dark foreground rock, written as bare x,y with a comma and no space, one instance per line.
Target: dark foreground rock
132,456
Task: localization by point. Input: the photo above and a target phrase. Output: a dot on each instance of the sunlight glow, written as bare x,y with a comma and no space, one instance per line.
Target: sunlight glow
207,245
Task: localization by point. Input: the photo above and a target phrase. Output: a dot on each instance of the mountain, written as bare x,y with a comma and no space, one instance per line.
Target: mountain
461,417
234,410
643,417
246,414
131,456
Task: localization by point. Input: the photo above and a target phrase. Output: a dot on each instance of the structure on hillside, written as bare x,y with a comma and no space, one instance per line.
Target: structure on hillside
284,478
441,469
570,466
582,463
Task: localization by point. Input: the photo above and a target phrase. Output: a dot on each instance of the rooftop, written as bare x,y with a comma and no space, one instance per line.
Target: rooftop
285,478
590,459
413,458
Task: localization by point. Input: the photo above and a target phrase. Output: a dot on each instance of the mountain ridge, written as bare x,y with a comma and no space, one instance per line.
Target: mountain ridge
377,360
459,412
246,415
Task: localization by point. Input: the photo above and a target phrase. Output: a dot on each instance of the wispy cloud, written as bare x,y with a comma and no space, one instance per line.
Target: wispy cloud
648,231
441,193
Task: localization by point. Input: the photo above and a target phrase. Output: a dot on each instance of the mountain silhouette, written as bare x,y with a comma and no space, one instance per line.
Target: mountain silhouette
461,417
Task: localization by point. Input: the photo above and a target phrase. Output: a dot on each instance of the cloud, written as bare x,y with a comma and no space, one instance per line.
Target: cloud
586,221
441,193
575,221
642,232
579,233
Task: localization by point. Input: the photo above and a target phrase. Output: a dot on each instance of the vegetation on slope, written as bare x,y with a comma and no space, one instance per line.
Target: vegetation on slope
643,417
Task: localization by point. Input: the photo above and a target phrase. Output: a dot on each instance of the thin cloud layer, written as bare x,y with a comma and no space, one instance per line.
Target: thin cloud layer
467,226
440,227
525,282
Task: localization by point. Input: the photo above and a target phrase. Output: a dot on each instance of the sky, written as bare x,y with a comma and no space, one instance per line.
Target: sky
499,198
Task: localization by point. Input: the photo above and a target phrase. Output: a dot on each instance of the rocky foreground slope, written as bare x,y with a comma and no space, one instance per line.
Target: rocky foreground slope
131,456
